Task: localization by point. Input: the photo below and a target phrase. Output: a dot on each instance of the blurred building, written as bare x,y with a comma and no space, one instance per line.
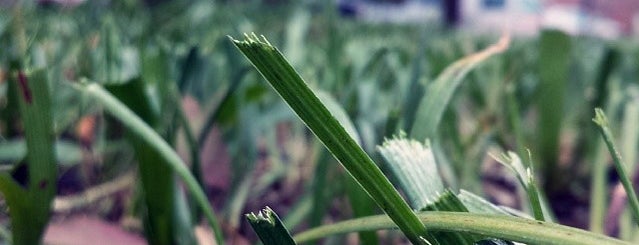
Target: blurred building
602,18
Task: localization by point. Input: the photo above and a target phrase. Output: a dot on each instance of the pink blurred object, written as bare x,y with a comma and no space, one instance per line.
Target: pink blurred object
80,230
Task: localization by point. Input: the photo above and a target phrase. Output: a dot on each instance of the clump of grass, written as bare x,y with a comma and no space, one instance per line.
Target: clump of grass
285,80
441,87
290,86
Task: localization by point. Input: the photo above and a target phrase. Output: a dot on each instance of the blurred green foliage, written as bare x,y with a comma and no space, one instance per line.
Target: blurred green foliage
377,72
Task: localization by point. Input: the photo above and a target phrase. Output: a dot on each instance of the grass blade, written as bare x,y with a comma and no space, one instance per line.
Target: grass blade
439,92
67,153
601,121
269,228
360,202
413,163
285,80
162,195
31,188
554,63
147,135
498,226
524,174
476,204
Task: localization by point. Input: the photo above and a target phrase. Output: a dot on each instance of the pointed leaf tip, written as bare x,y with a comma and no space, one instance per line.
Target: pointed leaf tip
600,118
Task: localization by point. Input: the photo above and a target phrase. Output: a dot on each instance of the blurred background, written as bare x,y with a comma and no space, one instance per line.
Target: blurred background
374,58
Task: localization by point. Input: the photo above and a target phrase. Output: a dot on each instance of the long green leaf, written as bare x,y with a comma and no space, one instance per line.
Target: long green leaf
360,202
31,189
146,134
162,195
554,63
439,93
285,80
497,226
602,121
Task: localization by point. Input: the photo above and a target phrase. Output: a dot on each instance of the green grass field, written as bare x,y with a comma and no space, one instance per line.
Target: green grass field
239,122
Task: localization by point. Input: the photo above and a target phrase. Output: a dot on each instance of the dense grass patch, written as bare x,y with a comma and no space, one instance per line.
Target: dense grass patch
330,120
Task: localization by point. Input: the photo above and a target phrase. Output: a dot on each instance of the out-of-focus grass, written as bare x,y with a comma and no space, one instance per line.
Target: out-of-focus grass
377,72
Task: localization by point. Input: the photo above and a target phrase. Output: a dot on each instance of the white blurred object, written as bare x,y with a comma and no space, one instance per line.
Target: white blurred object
408,12
565,18
519,17
572,20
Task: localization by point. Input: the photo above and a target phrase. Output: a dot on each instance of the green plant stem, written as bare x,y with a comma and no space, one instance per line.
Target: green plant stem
535,202
514,119
285,80
601,120
194,151
497,226
146,134
599,191
532,191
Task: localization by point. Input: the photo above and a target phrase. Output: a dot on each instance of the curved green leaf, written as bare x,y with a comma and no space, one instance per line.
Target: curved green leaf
146,134
497,226
439,92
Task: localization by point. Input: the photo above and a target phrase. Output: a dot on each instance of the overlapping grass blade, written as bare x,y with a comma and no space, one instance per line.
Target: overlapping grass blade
476,204
285,80
414,166
30,189
440,91
163,220
361,203
607,65
497,226
147,135
524,174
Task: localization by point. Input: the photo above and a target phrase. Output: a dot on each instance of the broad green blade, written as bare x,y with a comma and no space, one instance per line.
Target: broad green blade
439,93
32,186
269,228
414,167
554,64
339,113
285,80
162,194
